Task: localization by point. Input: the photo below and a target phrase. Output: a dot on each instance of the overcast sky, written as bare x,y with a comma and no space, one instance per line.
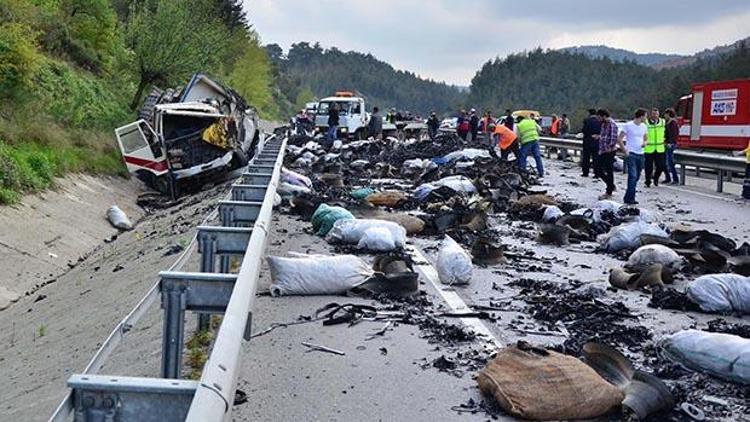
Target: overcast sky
449,40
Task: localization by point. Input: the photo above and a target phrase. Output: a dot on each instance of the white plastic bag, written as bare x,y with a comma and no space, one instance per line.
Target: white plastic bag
118,218
552,213
316,274
628,236
607,205
648,255
377,239
467,154
454,263
352,231
725,356
721,293
294,178
457,183
288,189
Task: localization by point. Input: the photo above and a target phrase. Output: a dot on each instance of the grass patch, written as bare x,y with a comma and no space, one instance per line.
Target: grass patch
198,352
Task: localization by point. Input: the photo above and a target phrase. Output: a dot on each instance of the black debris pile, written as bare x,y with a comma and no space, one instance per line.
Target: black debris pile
458,363
668,298
721,326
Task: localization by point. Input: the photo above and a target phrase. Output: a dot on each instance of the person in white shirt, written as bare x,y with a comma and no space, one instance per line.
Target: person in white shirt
635,135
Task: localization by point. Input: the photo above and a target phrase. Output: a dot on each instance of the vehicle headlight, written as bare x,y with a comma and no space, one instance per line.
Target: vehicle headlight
344,130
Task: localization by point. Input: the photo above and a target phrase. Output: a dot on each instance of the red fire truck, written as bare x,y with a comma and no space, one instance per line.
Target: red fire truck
716,115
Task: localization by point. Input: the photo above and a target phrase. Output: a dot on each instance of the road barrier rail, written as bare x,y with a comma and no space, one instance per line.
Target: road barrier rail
723,165
243,232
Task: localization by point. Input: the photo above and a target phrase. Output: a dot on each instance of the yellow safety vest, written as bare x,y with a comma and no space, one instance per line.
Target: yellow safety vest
655,141
527,131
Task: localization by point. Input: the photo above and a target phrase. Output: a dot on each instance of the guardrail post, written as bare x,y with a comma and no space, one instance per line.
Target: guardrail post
208,264
683,173
173,301
719,180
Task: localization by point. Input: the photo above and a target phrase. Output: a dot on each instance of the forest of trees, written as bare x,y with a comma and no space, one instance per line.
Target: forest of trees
73,70
554,81
308,71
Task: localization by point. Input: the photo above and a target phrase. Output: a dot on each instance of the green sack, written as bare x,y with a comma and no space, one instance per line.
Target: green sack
324,217
362,193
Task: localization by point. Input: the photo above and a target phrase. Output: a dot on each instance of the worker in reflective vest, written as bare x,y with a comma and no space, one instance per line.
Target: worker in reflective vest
528,131
506,139
654,150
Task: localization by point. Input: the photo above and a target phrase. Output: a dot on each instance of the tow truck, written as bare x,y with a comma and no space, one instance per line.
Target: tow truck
185,136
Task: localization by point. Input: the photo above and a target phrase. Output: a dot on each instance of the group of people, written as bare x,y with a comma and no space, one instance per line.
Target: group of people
648,144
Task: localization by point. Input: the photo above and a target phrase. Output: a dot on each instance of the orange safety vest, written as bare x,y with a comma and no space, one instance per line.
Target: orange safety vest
505,136
555,129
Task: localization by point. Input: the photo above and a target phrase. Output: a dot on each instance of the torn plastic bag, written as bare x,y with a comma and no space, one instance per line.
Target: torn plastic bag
538,384
627,236
456,183
607,205
552,213
725,356
352,231
454,263
294,178
118,218
721,293
362,193
325,216
287,189
378,239
316,274
467,154
645,256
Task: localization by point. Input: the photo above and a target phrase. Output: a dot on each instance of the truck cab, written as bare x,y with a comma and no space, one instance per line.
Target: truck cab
353,118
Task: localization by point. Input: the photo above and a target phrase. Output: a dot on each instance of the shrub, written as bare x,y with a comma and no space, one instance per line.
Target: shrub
19,58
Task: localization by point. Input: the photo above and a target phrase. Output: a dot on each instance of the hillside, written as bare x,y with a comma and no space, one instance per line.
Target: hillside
559,82
622,55
308,71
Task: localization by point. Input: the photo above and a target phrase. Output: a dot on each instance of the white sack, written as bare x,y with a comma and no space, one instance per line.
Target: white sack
552,213
454,263
725,356
288,189
316,274
628,236
294,178
457,183
352,231
648,255
721,293
377,239
118,218
467,154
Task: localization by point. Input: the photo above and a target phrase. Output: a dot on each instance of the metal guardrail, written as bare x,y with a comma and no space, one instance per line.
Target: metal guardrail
723,165
243,232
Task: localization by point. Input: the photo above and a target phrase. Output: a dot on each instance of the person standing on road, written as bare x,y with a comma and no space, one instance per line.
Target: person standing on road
433,124
671,132
554,129
654,150
333,122
487,120
607,144
473,124
391,116
635,137
375,126
564,125
592,127
462,125
528,131
746,184
508,120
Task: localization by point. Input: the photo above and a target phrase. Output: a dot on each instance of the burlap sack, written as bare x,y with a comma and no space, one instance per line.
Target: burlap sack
388,198
533,386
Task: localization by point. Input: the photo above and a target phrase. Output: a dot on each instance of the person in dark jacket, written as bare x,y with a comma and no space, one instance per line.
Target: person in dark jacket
333,121
508,120
433,124
671,132
375,126
462,125
591,126
473,124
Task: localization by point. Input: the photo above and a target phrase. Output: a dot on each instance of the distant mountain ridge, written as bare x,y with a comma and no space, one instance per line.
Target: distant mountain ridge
655,60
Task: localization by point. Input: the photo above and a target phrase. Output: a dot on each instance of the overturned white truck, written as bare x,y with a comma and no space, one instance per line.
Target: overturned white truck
185,136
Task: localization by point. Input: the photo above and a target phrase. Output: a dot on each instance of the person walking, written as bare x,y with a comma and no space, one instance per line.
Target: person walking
746,184
462,125
473,124
333,122
607,145
507,140
655,148
671,132
528,131
592,127
375,125
633,139
564,125
433,124
508,120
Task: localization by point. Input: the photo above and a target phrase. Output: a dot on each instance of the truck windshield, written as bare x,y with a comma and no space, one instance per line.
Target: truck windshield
343,107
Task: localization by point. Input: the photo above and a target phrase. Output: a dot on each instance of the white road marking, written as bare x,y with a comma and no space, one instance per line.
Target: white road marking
706,195
450,297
